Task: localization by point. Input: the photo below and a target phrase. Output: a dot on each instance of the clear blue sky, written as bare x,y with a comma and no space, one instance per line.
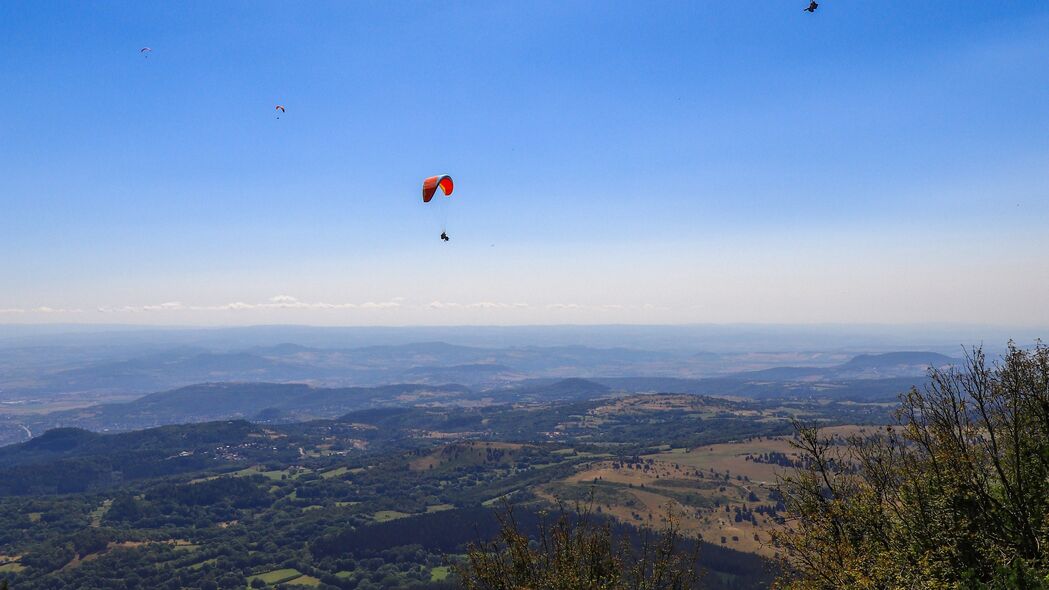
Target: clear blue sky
666,162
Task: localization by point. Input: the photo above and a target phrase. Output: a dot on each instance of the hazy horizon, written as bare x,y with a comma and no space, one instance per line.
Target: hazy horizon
857,338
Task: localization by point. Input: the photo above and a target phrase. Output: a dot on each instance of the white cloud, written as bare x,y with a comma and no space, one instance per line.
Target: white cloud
599,307
476,305
236,305
276,302
379,305
169,306
564,306
289,302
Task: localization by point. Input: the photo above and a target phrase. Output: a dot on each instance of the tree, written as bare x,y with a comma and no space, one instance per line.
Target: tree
577,552
955,494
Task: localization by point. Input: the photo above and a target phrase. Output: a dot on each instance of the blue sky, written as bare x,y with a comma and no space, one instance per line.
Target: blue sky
615,162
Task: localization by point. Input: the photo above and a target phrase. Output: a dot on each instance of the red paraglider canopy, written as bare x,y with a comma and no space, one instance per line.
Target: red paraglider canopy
430,186
279,108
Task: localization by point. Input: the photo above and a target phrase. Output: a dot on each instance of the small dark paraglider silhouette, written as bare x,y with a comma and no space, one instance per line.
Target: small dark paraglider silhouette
145,51
444,236
812,6
279,108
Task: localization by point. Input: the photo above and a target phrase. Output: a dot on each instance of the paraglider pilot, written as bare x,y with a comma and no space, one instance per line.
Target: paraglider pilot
444,236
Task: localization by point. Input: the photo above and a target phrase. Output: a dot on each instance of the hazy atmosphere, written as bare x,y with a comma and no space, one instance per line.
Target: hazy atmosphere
886,162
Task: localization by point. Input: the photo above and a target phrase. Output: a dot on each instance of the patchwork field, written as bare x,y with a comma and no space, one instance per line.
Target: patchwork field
468,453
725,493
13,567
702,406
388,515
281,576
734,459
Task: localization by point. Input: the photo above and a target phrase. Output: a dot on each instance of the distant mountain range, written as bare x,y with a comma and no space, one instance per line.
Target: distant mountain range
429,363
866,377
288,383
426,363
286,402
865,366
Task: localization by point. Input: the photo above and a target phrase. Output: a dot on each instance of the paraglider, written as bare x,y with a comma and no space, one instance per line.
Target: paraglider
812,6
430,186
145,51
279,108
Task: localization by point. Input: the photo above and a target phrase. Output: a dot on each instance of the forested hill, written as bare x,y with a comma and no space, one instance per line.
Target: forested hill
70,460
62,443
291,402
269,402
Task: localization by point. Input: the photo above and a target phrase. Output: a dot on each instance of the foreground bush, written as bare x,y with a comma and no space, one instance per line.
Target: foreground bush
955,495
576,552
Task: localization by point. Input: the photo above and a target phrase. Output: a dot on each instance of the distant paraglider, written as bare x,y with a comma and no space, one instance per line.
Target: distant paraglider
145,51
813,5
279,108
430,186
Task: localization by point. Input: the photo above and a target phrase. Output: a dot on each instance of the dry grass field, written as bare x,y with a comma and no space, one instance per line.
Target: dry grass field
723,493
